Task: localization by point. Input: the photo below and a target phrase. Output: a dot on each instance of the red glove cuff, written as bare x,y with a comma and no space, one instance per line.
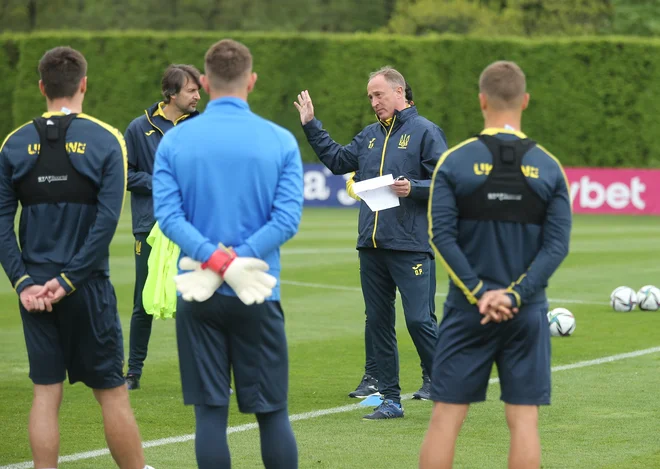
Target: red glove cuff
220,261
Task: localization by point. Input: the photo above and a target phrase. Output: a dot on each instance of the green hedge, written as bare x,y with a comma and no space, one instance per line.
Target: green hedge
595,101
8,63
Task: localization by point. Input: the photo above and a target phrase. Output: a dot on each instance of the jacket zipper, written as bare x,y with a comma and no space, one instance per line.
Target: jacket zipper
152,124
382,163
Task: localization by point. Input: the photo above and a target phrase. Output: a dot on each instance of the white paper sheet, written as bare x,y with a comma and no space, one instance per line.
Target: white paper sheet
376,192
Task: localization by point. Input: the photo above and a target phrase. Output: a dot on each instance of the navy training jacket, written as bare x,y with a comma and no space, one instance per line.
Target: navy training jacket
409,146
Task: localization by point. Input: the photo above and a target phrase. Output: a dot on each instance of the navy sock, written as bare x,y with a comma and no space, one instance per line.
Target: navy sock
211,446
278,444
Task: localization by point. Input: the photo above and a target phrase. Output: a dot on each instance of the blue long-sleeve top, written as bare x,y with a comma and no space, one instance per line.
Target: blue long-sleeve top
229,176
487,255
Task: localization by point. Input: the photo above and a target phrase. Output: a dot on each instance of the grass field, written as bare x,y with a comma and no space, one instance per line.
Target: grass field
605,414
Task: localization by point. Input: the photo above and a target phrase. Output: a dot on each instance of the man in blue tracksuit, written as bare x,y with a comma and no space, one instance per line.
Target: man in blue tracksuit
500,221
68,171
369,383
393,246
180,88
231,177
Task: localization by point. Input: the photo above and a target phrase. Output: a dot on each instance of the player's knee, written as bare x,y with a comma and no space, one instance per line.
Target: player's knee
522,418
48,396
112,396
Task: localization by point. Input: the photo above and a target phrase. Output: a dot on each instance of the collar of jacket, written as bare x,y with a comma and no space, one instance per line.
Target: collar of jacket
503,130
227,101
401,116
156,110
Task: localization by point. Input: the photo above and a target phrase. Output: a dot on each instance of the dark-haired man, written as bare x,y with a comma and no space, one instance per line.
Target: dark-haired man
68,170
180,88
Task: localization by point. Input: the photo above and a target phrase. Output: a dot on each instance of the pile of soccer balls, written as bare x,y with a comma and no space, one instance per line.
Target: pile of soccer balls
622,299
625,299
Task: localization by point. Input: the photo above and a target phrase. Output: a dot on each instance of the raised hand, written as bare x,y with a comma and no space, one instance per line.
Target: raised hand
305,107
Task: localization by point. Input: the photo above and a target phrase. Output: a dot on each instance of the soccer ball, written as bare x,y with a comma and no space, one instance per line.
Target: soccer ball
623,299
561,321
648,298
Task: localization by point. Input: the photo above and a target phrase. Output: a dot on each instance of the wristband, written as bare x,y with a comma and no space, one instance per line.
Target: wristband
219,261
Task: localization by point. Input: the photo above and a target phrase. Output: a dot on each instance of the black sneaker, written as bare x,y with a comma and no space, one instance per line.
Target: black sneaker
424,393
367,387
133,382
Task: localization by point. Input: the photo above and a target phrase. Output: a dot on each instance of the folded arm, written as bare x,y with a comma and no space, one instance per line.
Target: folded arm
554,249
10,254
110,200
443,235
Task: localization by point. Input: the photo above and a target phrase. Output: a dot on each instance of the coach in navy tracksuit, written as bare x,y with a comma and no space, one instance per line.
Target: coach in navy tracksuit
180,88
500,220
369,382
393,244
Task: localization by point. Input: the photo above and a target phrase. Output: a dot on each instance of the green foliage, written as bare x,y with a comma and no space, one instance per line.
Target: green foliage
195,15
8,64
594,101
420,17
501,17
564,17
476,17
637,17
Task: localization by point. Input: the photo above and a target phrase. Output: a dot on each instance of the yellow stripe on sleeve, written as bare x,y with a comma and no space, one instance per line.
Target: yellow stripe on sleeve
122,145
477,288
20,280
457,281
12,133
68,282
561,168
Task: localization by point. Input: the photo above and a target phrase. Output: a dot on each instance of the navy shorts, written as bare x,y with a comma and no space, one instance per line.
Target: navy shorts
467,350
82,337
223,335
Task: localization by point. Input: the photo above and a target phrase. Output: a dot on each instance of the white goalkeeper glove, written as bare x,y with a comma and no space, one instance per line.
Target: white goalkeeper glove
245,275
198,285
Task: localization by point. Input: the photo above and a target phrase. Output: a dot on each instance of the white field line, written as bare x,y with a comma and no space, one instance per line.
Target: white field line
358,289
311,251
320,413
